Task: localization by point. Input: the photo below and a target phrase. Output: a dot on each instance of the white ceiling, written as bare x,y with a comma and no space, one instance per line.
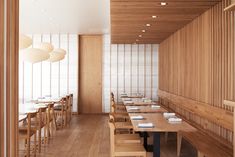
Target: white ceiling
65,16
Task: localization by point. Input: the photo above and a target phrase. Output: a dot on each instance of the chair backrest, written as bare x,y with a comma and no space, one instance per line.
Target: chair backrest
112,137
111,117
112,106
50,110
30,116
71,99
63,102
68,99
42,112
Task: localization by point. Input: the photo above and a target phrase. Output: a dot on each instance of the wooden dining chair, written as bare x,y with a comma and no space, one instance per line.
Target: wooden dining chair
40,124
121,127
124,149
60,110
120,117
50,121
69,106
125,138
26,132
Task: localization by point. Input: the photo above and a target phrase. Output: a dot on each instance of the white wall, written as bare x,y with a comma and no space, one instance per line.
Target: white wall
130,69
56,79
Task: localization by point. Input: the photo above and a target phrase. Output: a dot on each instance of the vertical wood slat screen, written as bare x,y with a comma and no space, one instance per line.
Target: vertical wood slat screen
198,62
129,69
55,79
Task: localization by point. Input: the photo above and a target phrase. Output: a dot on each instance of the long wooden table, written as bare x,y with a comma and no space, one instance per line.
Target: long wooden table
160,124
132,96
136,102
22,118
47,100
145,109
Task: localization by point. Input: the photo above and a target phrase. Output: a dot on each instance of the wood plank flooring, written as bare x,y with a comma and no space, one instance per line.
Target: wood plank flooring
88,136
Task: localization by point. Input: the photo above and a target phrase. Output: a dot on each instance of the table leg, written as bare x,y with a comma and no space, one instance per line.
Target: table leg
145,135
156,144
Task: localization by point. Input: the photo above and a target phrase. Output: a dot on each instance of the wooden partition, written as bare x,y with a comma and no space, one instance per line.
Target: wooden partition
9,34
1,77
197,63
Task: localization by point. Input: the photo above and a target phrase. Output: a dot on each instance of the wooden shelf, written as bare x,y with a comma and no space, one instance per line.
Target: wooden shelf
231,7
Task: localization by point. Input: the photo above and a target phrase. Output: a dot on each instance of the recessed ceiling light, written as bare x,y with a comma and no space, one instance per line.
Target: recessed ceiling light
154,16
148,25
163,3
140,35
143,31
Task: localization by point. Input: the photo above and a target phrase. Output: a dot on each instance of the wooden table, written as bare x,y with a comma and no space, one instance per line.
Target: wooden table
145,109
137,102
22,118
160,125
132,96
47,100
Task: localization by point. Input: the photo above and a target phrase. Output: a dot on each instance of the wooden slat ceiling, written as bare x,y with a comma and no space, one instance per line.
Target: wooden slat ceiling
129,18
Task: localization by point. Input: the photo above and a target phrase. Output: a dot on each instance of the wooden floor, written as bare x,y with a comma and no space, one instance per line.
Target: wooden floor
88,136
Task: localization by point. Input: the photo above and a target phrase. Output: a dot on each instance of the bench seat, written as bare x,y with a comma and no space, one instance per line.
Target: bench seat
205,145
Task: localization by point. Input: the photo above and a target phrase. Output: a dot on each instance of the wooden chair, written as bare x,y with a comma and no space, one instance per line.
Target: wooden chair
121,127
27,132
126,138
120,117
118,108
50,120
61,113
69,106
39,124
124,149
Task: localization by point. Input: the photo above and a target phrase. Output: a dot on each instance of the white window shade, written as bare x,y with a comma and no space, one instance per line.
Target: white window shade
130,69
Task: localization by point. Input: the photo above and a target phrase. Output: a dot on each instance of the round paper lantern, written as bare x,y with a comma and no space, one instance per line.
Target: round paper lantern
60,50
46,47
24,42
56,56
34,55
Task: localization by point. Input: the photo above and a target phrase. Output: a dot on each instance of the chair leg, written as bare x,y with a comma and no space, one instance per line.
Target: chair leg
28,147
179,141
35,144
39,141
45,134
200,154
66,114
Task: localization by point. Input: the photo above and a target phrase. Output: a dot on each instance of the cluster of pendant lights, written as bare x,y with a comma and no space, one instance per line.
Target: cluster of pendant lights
45,52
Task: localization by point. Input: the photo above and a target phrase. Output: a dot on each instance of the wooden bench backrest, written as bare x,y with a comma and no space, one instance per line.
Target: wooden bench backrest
201,115
217,115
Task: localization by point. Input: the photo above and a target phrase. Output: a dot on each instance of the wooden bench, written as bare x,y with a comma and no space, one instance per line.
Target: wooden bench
205,145
208,144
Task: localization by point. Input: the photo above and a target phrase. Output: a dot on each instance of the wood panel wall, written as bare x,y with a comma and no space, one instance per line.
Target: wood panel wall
198,63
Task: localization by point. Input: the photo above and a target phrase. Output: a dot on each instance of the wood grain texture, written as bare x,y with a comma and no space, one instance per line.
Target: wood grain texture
197,64
12,59
88,136
90,74
1,78
129,18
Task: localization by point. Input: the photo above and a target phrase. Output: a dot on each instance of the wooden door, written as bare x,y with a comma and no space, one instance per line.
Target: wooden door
90,74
